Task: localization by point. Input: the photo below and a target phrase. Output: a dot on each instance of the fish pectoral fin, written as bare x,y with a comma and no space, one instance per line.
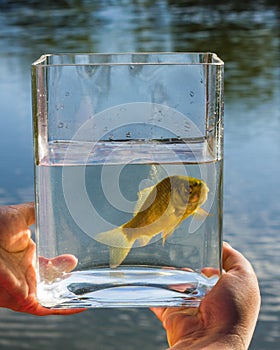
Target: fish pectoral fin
165,234
201,214
117,255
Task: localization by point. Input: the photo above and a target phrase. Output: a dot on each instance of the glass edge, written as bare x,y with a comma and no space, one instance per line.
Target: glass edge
41,61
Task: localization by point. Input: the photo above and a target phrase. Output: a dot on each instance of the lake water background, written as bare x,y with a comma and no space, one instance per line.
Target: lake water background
246,37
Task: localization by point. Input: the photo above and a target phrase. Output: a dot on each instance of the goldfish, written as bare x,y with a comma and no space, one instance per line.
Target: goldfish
160,209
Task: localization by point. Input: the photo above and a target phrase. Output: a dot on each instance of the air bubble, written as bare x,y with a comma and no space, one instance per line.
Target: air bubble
59,106
60,125
187,126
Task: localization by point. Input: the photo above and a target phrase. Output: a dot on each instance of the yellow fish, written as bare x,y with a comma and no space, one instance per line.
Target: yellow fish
160,209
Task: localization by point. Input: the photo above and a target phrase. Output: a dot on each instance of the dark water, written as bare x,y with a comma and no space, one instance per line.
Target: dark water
246,37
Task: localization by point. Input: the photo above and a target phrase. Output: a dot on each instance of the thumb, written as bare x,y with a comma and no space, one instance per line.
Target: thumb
235,263
14,222
26,210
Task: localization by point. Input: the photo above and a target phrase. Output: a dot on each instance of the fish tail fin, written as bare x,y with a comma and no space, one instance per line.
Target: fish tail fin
117,255
119,244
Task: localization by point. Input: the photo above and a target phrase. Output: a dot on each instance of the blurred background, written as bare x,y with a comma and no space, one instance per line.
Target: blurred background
246,36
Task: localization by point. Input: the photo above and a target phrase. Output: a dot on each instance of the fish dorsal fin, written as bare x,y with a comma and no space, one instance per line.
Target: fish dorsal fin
142,196
156,174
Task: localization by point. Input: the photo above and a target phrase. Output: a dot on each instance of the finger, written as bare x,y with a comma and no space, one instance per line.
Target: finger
14,221
163,313
210,272
56,267
45,312
19,242
16,243
27,211
50,269
35,308
158,311
177,321
234,261
65,262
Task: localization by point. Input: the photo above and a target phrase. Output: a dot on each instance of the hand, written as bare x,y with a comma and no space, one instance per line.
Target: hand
17,260
226,317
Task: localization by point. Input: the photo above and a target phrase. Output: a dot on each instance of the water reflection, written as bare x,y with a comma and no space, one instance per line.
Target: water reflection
245,37
242,34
